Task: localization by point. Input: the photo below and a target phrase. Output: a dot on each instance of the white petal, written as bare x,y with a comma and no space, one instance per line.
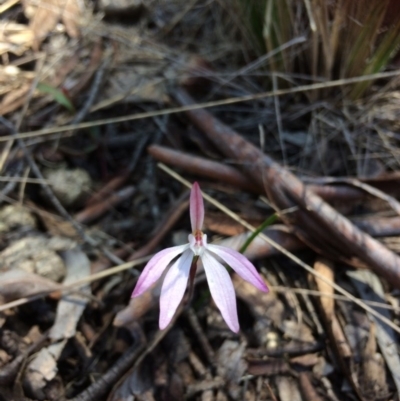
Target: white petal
221,289
174,287
240,264
155,267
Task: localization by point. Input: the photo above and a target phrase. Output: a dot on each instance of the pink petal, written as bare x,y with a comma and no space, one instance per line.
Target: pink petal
196,208
155,267
240,264
174,287
222,290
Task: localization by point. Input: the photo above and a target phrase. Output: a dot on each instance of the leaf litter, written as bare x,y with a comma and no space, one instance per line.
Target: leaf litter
299,342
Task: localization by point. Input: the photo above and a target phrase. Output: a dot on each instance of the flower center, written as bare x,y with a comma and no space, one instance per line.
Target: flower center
198,236
198,242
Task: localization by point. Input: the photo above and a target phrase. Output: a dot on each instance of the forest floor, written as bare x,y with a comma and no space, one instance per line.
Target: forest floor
109,112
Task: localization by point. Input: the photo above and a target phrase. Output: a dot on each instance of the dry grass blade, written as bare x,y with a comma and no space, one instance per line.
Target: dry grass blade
329,294
69,287
345,38
277,31
7,4
174,110
291,256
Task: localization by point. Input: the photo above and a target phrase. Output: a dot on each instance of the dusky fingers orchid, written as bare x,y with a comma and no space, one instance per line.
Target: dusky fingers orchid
176,279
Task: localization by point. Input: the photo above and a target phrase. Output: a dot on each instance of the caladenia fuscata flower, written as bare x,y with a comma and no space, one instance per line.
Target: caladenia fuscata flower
183,269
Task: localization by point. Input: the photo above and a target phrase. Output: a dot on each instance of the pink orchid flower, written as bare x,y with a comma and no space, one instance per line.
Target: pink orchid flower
177,277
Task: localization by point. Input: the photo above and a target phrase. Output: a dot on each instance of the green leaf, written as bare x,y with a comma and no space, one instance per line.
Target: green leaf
57,95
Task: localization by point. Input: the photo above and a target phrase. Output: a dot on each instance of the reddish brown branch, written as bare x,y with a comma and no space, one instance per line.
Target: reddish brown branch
230,175
204,167
93,212
111,186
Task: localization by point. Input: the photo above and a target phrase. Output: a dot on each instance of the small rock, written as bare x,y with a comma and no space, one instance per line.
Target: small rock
70,186
16,216
37,255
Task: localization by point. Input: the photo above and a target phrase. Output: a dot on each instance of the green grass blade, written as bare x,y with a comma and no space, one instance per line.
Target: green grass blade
270,220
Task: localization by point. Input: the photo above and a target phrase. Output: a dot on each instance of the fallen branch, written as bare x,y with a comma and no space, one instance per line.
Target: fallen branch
204,167
230,175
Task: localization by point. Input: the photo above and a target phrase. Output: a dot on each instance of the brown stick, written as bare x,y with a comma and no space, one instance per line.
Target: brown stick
388,182
230,175
111,186
379,226
202,166
328,188
94,211
315,222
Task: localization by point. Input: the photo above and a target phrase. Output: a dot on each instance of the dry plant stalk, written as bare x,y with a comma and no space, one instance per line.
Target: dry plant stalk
314,222
346,38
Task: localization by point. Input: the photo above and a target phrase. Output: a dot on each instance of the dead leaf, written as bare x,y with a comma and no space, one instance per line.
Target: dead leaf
44,20
266,306
373,368
307,387
140,305
70,17
322,368
45,14
14,99
231,365
14,38
42,369
18,283
55,224
297,331
288,389
325,268
71,307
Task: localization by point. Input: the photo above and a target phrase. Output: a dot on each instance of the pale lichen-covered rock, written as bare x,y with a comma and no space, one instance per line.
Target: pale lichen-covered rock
70,186
16,216
37,255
